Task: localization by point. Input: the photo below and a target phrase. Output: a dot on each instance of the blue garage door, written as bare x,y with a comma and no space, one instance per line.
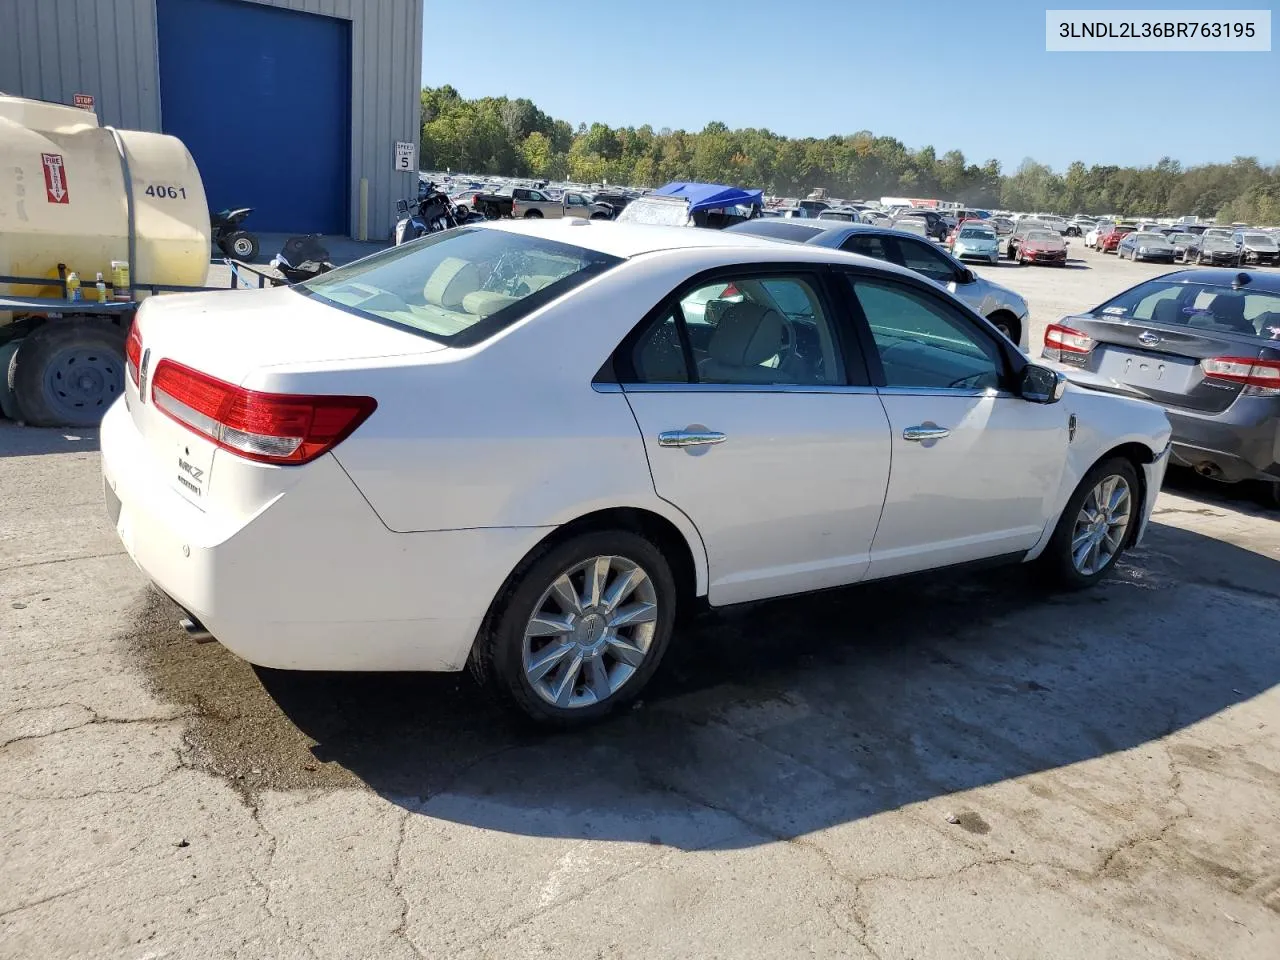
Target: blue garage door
262,99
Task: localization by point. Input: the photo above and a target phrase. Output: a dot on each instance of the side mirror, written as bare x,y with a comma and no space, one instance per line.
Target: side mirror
1042,385
965,276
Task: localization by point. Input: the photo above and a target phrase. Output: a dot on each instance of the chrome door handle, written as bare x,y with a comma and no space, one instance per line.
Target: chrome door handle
925,431
689,438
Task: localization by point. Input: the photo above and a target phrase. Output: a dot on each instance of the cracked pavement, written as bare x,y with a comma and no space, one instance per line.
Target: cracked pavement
945,767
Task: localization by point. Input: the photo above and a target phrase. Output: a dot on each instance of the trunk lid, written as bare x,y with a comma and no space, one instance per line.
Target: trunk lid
229,335
1162,362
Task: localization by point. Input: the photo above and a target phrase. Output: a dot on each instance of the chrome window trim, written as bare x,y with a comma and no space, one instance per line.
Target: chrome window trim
835,388
947,392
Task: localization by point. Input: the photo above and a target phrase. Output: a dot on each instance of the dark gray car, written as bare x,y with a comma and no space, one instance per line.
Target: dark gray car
1205,345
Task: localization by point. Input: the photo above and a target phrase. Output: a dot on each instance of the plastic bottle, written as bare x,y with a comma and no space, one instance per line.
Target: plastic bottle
101,289
73,286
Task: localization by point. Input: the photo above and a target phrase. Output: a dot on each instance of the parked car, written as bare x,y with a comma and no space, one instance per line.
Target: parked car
1205,345
1214,250
1145,245
840,214
1014,240
1182,242
974,239
1255,247
1091,235
294,528
1042,246
1078,226
935,226
711,205
616,201
1006,310
1110,238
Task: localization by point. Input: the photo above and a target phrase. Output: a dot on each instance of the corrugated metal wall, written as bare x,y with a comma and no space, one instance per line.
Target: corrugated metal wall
54,49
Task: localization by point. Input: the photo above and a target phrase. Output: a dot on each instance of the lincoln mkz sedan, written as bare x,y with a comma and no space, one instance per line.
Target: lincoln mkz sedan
511,446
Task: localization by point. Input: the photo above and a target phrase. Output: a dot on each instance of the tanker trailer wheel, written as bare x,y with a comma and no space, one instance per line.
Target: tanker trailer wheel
67,372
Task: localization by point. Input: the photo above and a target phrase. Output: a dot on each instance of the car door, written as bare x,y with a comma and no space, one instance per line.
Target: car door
760,425
973,464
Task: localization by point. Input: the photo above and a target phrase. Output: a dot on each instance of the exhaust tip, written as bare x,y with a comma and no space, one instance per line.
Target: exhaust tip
1207,469
195,630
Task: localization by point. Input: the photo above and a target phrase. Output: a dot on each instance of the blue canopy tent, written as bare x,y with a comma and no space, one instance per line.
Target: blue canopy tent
712,196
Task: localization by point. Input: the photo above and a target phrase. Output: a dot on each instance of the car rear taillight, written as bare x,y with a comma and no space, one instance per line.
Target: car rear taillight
133,351
1260,378
514,207
266,427
1066,339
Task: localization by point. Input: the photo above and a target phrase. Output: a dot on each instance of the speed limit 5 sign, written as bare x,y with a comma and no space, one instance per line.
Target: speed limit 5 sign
404,157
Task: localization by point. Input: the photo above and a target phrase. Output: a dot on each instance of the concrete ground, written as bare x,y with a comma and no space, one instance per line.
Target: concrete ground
946,767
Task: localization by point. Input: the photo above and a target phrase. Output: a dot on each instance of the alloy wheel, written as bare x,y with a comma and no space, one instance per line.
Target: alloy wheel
590,632
1101,525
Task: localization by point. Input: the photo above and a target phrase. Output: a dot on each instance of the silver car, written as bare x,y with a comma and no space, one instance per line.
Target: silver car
1005,309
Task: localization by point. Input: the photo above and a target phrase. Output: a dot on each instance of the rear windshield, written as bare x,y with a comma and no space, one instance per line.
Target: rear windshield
459,286
1200,306
977,233
652,210
1041,235
777,229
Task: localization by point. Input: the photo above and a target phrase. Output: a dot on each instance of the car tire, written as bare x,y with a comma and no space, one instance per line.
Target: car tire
241,245
491,212
504,656
533,215
40,378
1060,563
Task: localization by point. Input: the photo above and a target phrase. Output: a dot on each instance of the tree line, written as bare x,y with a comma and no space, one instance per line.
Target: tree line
501,136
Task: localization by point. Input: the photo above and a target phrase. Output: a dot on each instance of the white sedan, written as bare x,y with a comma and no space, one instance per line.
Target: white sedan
511,446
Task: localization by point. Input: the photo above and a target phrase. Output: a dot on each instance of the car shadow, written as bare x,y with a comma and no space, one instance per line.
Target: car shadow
793,716
17,440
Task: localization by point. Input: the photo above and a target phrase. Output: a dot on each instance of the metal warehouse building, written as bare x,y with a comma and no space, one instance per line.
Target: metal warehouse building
292,107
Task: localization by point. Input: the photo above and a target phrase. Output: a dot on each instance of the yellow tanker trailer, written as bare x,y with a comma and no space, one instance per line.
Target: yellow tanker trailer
79,198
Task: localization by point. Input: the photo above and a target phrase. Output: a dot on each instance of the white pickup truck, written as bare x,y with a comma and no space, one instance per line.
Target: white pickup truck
534,204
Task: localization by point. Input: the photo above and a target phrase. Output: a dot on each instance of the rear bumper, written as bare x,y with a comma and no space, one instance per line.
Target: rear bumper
313,581
1242,443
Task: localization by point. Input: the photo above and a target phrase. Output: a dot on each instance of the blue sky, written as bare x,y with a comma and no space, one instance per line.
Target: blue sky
818,67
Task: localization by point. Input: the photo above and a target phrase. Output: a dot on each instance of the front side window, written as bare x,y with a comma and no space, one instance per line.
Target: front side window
924,259
922,343
461,285
743,330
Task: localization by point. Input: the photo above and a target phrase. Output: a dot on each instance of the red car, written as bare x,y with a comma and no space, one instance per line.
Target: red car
1043,246
1107,242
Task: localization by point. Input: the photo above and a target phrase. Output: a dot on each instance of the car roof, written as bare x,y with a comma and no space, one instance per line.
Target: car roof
1225,277
624,240
832,233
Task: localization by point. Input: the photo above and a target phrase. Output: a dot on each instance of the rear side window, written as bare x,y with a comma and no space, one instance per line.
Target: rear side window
741,330
460,286
867,246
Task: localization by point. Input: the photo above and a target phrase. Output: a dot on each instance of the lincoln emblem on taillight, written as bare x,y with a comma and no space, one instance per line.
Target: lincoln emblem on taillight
142,374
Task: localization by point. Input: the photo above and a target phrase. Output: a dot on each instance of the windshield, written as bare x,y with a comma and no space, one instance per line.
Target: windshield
1197,306
666,213
777,229
1216,242
459,286
977,233
1041,235
1259,238
1148,238
1182,238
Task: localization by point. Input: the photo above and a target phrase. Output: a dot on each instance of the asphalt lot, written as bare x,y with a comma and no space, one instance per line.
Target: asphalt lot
944,767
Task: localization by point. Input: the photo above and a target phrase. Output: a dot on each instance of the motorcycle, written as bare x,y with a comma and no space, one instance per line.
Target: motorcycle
432,212
227,236
302,258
